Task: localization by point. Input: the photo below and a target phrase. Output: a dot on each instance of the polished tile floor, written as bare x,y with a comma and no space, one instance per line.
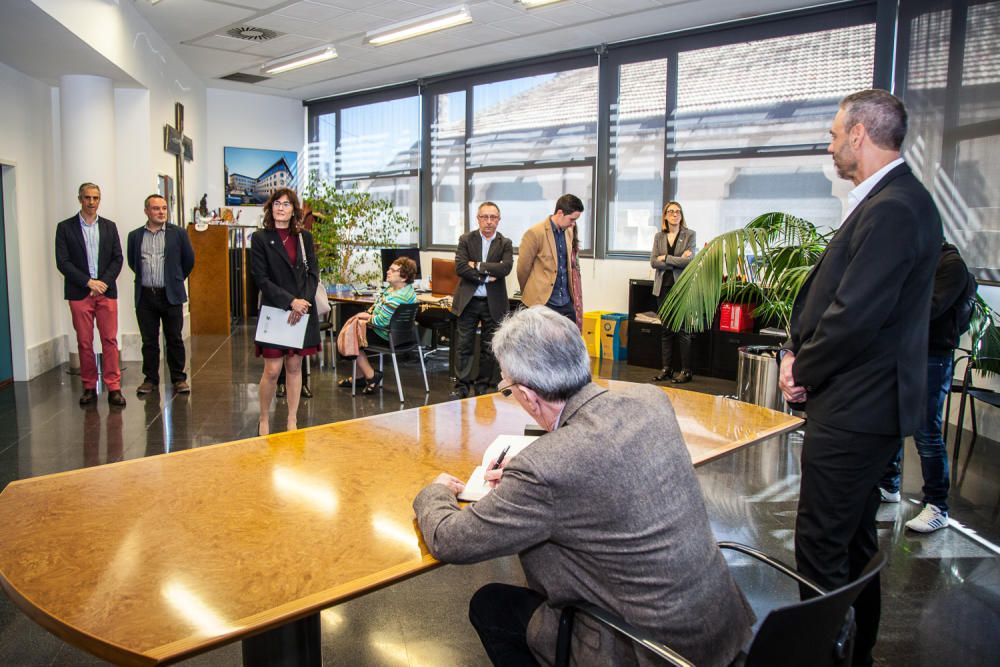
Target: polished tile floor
941,592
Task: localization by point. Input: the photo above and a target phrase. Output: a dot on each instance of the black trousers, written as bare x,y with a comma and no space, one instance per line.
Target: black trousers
667,341
500,614
835,534
153,308
476,314
567,310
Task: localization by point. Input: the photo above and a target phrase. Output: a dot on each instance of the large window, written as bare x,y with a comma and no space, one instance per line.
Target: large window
373,147
732,122
531,140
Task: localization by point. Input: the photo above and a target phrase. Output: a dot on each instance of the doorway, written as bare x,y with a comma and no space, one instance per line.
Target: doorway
6,361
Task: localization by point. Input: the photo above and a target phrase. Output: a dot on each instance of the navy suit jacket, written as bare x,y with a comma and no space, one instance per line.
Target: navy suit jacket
71,257
178,261
859,323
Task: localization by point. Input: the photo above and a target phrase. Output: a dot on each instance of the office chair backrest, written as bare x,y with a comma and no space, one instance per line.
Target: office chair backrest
444,280
402,326
816,632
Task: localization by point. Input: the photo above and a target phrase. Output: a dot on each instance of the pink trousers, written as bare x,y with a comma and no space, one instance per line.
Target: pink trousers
105,311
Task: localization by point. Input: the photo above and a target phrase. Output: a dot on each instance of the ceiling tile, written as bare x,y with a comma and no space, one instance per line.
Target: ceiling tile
181,20
221,42
255,4
292,26
310,11
353,24
488,12
285,45
568,14
527,25
394,11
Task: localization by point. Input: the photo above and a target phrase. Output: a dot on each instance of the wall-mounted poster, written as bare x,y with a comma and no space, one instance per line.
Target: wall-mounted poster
253,174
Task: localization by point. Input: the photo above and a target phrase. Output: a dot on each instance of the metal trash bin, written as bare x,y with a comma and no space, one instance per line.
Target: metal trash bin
757,377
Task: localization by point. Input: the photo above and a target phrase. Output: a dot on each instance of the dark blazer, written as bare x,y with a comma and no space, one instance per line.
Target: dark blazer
599,510
859,323
499,262
673,262
178,261
279,282
71,257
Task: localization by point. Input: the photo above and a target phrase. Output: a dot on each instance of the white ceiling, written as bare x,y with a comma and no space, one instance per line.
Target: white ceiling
501,31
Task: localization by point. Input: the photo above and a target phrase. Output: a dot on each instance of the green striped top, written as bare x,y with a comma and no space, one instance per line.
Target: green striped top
385,305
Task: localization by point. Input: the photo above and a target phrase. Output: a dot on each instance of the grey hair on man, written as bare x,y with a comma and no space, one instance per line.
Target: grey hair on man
542,350
882,114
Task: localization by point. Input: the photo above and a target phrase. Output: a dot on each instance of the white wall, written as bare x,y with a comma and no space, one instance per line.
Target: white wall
26,144
248,120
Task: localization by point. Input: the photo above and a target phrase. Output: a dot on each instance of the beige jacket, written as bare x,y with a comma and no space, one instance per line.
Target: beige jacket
537,263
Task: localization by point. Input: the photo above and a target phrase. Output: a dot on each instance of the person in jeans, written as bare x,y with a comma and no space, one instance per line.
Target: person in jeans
949,287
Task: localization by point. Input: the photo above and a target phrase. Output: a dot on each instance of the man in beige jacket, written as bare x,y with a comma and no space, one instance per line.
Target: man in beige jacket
544,257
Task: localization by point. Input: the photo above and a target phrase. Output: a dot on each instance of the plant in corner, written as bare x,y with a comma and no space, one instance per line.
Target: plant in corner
764,263
351,226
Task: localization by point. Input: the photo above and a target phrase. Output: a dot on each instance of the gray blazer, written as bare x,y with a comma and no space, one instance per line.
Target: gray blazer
607,509
674,262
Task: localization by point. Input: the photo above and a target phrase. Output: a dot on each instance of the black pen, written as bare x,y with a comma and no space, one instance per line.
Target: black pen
500,458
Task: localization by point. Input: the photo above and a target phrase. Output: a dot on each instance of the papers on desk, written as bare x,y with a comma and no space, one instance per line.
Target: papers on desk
477,487
437,300
649,317
273,328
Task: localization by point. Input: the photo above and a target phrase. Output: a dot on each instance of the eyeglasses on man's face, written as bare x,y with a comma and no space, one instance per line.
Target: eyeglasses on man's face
488,218
506,389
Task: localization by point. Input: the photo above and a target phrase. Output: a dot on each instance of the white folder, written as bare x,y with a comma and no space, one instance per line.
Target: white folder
273,328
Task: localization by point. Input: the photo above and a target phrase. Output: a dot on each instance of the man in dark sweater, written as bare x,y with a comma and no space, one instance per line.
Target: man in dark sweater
950,280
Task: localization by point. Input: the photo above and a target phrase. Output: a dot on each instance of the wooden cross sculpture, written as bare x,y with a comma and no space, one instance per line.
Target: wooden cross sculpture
175,143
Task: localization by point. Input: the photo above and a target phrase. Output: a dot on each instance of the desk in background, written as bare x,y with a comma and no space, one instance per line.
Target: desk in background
158,559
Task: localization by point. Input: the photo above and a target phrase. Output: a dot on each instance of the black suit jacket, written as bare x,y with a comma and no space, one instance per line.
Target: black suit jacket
279,281
859,323
71,257
178,261
499,262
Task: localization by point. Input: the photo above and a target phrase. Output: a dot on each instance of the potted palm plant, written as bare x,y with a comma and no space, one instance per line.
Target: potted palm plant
764,263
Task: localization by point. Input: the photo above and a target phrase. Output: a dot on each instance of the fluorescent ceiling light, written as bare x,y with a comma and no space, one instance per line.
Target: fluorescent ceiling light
448,18
301,59
537,3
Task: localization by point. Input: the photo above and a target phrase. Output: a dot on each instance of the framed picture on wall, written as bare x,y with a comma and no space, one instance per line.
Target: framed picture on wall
165,187
252,174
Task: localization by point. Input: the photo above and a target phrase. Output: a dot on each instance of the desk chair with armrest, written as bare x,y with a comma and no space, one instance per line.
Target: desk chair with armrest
444,282
972,393
402,338
816,632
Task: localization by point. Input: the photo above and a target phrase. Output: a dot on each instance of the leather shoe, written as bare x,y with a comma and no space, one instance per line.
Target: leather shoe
116,399
306,392
665,374
89,396
682,377
182,387
145,388
459,393
281,391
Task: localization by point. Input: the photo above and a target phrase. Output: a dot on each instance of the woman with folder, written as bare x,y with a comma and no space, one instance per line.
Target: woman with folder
283,265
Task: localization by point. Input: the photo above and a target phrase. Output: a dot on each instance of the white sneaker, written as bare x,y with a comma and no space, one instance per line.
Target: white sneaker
931,518
889,496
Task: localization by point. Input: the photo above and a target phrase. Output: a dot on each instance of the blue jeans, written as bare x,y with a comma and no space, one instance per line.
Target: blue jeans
930,443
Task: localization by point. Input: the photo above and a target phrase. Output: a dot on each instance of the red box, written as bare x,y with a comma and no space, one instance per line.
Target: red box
736,317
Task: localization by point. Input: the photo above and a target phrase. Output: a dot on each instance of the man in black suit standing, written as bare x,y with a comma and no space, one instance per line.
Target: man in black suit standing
482,261
162,258
857,353
89,255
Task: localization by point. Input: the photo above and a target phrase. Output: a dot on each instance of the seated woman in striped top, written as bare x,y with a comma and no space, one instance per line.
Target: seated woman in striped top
400,290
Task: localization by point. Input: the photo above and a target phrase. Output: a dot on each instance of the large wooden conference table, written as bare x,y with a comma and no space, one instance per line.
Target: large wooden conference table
157,559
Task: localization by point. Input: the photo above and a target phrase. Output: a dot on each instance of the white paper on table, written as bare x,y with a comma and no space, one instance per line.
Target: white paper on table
477,487
273,328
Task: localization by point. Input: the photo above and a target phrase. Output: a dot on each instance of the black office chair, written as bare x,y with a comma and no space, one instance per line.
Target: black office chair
973,393
402,338
816,632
